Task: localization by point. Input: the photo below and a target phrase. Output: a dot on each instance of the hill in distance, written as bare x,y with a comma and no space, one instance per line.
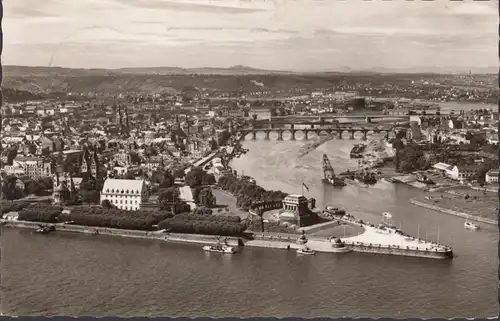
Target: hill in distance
173,79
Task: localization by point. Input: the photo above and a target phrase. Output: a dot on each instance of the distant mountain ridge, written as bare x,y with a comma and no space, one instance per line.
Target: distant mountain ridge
44,80
242,70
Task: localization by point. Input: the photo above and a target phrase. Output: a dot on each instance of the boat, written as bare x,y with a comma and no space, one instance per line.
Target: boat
367,178
385,228
221,247
45,229
329,174
330,210
355,182
306,250
471,225
386,214
357,151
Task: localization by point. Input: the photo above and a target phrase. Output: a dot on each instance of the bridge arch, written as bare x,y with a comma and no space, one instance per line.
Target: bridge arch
323,132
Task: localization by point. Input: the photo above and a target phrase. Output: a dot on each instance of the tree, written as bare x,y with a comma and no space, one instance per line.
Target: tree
90,190
168,195
202,210
11,155
9,189
178,172
32,148
167,180
206,198
106,204
411,158
208,179
34,188
194,177
135,158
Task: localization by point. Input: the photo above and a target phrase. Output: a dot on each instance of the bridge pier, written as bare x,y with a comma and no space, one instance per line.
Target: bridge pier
280,135
340,134
306,134
267,134
293,134
254,135
352,134
365,135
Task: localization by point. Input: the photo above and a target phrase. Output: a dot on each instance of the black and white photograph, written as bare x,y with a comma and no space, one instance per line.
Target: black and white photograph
249,158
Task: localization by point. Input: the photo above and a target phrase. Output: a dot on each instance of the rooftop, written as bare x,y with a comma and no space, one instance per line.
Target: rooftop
123,186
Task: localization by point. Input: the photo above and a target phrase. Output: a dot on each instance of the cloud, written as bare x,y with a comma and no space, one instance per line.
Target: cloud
298,34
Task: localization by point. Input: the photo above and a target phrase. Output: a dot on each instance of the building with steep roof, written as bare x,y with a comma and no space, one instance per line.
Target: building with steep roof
125,194
90,162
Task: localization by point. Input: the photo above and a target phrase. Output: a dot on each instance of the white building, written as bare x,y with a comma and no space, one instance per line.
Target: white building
125,194
492,176
33,167
461,173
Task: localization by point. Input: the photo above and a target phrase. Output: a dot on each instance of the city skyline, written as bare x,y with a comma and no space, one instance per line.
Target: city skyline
289,35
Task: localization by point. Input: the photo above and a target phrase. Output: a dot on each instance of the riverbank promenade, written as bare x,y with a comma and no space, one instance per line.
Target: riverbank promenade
375,237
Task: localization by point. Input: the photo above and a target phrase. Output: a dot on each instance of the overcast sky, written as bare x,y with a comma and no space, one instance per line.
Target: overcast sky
280,35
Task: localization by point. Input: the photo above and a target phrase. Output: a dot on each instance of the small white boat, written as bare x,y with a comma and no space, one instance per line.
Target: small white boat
471,225
306,250
220,249
386,214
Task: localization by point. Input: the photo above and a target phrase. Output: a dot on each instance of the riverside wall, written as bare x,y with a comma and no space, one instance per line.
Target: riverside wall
399,251
149,235
455,213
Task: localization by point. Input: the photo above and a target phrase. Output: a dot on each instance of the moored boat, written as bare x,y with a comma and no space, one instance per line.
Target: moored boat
386,214
471,226
306,250
45,229
220,248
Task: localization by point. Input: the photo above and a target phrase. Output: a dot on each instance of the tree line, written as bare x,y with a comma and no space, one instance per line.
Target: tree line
206,225
247,192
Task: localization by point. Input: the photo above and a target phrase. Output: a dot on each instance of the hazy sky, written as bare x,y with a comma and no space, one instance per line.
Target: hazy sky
279,35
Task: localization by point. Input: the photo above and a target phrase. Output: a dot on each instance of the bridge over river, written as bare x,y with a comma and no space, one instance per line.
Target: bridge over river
317,128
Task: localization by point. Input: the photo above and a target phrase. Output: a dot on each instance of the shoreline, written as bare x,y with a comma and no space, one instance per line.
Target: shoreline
146,235
454,213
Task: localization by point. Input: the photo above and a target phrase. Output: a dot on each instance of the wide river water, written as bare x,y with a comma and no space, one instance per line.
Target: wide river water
70,274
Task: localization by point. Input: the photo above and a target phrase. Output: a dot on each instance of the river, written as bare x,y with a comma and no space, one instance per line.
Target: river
69,274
